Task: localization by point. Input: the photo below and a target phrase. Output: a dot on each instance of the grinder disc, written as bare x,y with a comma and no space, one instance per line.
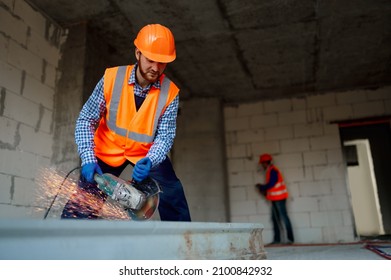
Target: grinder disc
151,189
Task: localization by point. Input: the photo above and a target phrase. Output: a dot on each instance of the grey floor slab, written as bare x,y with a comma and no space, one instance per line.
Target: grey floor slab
322,252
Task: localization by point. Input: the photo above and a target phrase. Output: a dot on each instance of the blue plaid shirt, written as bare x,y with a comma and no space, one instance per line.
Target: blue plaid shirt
95,108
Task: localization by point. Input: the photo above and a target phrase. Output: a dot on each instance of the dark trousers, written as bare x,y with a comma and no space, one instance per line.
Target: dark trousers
172,206
280,218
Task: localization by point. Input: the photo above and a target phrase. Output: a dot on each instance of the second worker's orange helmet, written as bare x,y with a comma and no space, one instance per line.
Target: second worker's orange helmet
156,42
265,158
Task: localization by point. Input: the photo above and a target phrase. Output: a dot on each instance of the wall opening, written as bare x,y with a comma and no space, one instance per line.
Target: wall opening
363,188
367,152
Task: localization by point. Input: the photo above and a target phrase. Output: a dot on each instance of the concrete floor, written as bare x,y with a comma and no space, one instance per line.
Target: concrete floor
351,251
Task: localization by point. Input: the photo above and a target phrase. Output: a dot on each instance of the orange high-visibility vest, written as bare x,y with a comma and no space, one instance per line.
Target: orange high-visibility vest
279,190
125,133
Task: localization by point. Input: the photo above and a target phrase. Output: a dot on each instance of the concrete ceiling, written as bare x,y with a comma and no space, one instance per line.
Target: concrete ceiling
246,50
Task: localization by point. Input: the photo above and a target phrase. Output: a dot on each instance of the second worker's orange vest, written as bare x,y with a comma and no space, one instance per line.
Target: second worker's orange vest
125,133
279,190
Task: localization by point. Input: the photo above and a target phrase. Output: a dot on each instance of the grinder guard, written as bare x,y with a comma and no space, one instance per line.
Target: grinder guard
139,199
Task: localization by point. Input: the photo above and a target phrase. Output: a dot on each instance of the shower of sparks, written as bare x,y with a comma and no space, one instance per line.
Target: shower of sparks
53,187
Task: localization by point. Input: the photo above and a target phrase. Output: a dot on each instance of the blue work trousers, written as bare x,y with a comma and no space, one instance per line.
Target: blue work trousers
172,206
280,220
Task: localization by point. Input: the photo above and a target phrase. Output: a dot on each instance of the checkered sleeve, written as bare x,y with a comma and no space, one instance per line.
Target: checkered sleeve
165,134
87,122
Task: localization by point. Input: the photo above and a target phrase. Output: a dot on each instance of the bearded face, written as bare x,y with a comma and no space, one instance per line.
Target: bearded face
148,71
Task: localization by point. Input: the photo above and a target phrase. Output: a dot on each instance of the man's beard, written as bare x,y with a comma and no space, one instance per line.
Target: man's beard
150,76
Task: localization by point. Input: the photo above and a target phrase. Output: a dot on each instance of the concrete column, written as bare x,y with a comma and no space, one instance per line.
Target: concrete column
69,98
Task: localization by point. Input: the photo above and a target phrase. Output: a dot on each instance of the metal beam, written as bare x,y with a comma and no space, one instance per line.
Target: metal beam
108,239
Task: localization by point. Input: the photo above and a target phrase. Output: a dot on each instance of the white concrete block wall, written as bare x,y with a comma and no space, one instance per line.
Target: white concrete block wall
198,157
29,56
306,147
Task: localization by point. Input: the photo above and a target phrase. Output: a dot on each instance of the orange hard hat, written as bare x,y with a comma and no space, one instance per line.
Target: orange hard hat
265,158
156,42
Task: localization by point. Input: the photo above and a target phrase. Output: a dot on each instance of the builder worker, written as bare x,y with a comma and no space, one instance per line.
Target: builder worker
275,191
130,118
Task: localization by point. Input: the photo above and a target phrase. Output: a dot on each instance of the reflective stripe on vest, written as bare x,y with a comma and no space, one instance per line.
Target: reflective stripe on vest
116,95
275,193
279,184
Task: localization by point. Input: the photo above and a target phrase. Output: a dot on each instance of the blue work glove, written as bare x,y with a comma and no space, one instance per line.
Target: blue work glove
88,171
141,169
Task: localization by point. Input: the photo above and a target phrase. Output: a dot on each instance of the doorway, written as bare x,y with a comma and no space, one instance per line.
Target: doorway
363,188
367,151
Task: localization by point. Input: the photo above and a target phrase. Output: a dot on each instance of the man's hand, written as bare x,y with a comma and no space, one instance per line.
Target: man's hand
258,187
141,169
88,171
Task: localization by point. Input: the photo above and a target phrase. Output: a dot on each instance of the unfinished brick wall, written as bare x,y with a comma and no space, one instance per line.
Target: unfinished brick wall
307,149
198,157
29,55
